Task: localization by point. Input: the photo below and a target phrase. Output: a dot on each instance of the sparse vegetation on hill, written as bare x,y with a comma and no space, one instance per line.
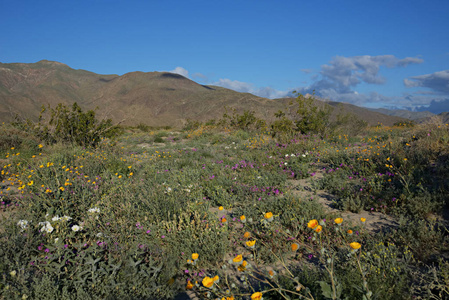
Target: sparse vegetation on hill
238,213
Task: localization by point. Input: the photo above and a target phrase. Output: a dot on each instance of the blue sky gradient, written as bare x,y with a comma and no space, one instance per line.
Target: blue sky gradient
369,53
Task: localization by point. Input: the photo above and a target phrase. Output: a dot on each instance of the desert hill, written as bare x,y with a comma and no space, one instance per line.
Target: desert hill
151,98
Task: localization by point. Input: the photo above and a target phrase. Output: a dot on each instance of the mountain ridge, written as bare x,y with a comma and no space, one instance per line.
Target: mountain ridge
151,98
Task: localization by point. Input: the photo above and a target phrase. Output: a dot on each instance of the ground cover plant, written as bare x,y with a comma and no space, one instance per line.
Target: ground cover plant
212,212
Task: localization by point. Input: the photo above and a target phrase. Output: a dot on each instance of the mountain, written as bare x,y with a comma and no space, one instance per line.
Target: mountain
152,98
440,119
403,113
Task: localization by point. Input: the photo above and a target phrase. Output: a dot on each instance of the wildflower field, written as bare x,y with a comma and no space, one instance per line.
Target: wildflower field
226,213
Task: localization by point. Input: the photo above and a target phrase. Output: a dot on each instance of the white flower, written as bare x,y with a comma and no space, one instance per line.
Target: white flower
23,224
65,218
285,163
292,155
56,240
76,228
13,273
99,234
303,155
94,210
55,218
286,155
47,227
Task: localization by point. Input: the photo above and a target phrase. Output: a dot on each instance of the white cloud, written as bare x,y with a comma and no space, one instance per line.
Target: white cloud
338,79
180,71
438,81
345,72
244,87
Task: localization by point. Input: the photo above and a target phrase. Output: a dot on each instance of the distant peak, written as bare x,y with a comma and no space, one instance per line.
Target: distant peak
52,63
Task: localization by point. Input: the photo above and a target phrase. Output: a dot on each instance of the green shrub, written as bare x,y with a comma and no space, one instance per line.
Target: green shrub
74,126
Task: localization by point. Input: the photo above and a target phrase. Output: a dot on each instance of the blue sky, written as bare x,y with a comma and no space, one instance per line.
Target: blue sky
369,53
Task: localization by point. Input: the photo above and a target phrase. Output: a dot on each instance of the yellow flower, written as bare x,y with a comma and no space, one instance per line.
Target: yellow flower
312,224
243,219
247,235
216,279
355,245
31,182
319,228
338,221
250,244
40,146
238,259
208,282
269,216
62,189
224,220
242,267
189,285
256,296
363,220
294,246
221,208
195,256
349,232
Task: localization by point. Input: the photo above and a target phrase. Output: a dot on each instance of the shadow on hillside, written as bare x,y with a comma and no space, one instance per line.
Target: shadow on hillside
173,75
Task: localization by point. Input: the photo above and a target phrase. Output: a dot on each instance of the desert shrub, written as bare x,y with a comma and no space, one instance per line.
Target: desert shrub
74,126
143,127
309,117
245,121
347,124
191,125
410,123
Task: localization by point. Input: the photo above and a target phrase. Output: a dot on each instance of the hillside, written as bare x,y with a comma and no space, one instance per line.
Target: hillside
403,113
153,98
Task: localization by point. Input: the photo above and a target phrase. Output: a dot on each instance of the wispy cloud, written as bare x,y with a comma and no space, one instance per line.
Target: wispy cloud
438,81
201,77
244,87
180,71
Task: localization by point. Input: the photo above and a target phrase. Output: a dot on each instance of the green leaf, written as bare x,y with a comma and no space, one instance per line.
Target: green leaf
326,289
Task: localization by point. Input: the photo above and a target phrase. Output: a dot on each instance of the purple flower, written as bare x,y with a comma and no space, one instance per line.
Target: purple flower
163,236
